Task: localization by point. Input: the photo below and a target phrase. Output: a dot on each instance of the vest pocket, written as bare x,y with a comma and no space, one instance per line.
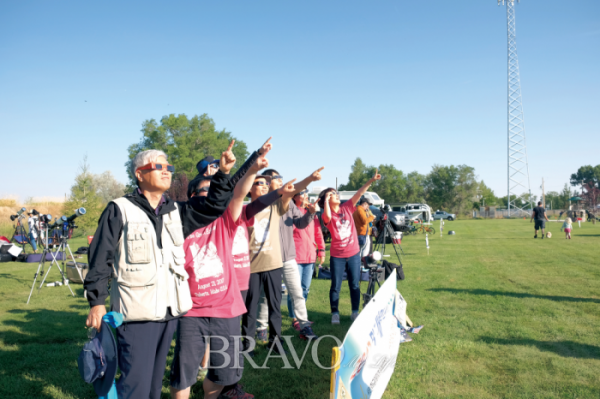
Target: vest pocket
138,302
182,287
175,229
138,243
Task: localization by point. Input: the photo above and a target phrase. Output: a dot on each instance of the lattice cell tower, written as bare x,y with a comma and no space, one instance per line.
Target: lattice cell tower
518,168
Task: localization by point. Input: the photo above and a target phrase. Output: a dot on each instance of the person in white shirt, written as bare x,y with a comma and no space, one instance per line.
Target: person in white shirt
33,229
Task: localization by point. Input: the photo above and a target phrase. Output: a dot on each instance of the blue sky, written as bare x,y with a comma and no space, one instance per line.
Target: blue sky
393,82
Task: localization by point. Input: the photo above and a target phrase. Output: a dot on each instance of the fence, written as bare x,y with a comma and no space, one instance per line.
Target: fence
491,212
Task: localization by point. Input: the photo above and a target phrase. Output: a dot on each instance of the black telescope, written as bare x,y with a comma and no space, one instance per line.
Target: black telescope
78,212
19,213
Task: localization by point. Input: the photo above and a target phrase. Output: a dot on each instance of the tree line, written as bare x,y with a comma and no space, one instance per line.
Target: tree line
186,140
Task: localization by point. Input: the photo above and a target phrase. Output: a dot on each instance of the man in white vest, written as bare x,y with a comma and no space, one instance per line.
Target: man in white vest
139,244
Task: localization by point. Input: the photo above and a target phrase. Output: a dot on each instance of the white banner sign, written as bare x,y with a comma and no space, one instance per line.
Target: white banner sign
365,362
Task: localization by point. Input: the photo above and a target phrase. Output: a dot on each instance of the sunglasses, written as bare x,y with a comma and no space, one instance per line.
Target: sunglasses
202,190
276,177
260,183
214,165
157,166
303,192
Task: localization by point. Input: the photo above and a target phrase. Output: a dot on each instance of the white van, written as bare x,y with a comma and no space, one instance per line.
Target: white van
377,201
415,211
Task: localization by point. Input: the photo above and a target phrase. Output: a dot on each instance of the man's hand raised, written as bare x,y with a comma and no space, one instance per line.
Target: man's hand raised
227,159
316,175
287,190
377,176
266,147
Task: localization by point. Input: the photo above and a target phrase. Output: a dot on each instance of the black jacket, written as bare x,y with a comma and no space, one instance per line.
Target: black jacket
196,213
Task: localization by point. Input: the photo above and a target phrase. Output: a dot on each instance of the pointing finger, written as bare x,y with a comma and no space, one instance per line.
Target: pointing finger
290,182
267,142
320,169
231,145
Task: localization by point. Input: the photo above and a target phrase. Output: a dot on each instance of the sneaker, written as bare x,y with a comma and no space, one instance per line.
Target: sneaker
535,236
354,316
237,392
335,318
262,336
307,333
296,325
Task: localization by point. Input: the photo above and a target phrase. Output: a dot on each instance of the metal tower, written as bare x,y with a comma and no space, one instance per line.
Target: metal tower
518,168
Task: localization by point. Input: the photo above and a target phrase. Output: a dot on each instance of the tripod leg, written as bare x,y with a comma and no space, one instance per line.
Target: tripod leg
36,275
64,279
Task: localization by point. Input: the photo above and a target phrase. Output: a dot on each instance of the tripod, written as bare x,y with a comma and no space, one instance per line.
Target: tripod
20,236
374,270
387,231
62,247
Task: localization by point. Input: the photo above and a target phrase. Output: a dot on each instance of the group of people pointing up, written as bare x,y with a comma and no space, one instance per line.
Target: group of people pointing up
210,269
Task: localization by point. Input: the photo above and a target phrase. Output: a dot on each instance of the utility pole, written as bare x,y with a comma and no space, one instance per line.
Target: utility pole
543,194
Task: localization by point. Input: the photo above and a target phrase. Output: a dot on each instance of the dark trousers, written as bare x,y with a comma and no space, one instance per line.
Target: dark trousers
271,281
351,266
143,349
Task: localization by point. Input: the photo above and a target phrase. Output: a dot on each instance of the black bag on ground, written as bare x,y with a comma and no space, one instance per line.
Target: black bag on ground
82,250
389,269
6,258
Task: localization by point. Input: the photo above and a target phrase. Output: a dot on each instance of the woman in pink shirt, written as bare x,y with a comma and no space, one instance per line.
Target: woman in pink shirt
309,243
344,250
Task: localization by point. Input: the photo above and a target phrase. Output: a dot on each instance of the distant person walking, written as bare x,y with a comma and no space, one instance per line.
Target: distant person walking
568,227
539,215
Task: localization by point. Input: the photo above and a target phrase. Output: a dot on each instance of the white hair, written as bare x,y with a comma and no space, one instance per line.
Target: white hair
144,158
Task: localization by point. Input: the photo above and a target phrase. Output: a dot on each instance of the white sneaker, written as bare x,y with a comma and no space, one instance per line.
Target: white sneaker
354,316
335,319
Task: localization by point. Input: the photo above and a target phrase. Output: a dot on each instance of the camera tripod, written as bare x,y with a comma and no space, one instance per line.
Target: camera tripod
374,270
20,232
62,247
387,232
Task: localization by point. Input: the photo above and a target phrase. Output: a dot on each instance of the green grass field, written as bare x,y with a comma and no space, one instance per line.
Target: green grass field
505,316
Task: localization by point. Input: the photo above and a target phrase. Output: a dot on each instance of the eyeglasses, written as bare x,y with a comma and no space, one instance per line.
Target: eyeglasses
214,165
201,190
260,183
303,192
276,177
157,166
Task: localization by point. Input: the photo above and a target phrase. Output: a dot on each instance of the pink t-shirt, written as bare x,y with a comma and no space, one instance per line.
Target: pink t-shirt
208,261
241,251
344,238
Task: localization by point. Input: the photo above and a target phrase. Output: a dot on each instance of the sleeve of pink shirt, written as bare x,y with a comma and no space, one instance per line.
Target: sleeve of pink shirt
351,208
230,224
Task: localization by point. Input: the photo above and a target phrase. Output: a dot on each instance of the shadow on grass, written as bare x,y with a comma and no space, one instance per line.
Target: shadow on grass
562,348
515,295
12,277
39,354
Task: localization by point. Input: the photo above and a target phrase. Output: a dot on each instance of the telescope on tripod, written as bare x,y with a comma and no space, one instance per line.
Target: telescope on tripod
20,235
62,230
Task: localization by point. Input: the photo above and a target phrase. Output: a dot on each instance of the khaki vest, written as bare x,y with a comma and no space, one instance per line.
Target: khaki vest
146,279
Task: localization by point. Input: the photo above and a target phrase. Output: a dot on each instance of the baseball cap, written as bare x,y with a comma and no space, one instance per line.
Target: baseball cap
364,199
203,164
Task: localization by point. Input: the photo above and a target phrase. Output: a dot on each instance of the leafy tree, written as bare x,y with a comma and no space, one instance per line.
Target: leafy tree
185,141
451,188
83,194
415,188
391,187
588,177
107,187
485,196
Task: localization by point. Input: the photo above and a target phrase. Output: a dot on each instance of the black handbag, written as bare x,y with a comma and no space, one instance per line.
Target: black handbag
389,269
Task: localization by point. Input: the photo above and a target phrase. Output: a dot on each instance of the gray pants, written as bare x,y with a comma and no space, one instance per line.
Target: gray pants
291,279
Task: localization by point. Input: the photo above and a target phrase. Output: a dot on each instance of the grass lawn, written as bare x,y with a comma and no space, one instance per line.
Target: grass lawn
505,316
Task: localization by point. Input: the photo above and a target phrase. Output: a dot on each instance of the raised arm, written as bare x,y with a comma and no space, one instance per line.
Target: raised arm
245,183
326,209
315,176
364,188
249,162
287,192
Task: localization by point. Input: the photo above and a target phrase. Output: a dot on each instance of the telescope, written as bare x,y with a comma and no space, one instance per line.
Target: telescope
19,213
46,218
58,223
78,212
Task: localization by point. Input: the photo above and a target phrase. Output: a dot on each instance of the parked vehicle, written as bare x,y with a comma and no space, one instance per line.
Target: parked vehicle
376,199
444,215
415,211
